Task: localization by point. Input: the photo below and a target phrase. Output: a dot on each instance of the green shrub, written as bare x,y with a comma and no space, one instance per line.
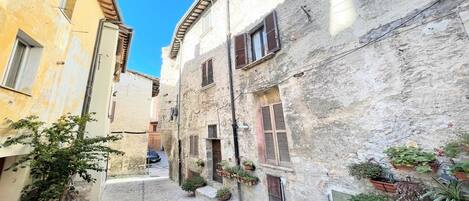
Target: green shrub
191,184
248,162
221,193
411,156
366,170
369,197
460,167
453,149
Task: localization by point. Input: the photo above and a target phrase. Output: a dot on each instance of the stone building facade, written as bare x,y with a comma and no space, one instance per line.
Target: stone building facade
131,115
49,67
317,86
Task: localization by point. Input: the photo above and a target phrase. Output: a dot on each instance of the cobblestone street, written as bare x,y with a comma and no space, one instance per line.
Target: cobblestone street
144,189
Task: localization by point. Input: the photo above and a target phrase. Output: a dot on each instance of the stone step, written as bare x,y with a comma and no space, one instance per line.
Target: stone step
206,193
209,193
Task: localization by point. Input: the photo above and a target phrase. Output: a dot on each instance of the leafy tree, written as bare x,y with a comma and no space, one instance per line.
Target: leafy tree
59,153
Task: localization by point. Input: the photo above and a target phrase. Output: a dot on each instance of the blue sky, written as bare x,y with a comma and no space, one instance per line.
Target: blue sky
153,22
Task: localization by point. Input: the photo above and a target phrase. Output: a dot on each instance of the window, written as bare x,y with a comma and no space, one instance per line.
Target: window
113,111
155,89
206,22
24,60
257,44
207,73
276,192
212,131
154,126
67,7
275,135
194,145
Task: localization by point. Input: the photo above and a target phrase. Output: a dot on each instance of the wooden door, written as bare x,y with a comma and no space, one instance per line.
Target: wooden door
216,156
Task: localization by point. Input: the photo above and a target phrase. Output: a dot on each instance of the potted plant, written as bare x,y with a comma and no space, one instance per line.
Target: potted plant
251,180
249,165
461,170
411,158
369,197
199,163
223,194
376,175
447,191
221,168
191,184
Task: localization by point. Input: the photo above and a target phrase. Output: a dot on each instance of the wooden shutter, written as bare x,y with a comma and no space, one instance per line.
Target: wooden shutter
271,30
113,111
212,131
283,152
278,115
204,74
274,188
196,145
267,123
209,72
269,147
191,146
241,51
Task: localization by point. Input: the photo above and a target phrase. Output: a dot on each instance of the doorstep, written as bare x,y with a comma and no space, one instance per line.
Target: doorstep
206,193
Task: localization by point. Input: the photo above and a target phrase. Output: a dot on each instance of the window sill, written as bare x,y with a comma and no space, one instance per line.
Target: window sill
14,90
259,61
274,167
65,15
208,86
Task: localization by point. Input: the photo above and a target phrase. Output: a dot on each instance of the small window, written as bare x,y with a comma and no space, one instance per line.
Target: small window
206,22
155,89
67,7
276,191
23,63
207,73
154,126
112,116
194,145
212,131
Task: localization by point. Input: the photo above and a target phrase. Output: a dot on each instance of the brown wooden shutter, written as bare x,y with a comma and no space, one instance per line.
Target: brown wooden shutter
269,147
278,115
212,131
283,147
204,74
210,72
241,51
271,30
191,146
267,123
274,188
2,162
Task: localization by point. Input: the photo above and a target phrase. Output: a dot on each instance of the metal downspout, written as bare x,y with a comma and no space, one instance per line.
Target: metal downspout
232,98
179,118
92,73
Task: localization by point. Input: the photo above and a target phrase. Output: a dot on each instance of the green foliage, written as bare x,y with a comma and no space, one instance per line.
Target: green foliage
191,184
58,154
453,149
221,193
460,167
366,170
369,197
447,192
409,191
411,156
248,162
224,164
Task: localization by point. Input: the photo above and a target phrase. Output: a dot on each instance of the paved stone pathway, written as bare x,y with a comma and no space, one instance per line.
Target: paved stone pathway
144,189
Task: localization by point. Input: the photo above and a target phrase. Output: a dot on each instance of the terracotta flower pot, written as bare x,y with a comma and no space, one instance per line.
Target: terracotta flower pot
220,172
461,176
384,186
225,197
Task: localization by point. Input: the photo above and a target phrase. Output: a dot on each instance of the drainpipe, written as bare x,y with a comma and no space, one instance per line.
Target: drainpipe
232,98
179,117
92,73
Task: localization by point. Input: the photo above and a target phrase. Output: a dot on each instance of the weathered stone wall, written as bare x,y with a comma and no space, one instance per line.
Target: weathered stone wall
134,160
369,75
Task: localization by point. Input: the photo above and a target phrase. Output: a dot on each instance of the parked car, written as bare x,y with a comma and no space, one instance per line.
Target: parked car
153,157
